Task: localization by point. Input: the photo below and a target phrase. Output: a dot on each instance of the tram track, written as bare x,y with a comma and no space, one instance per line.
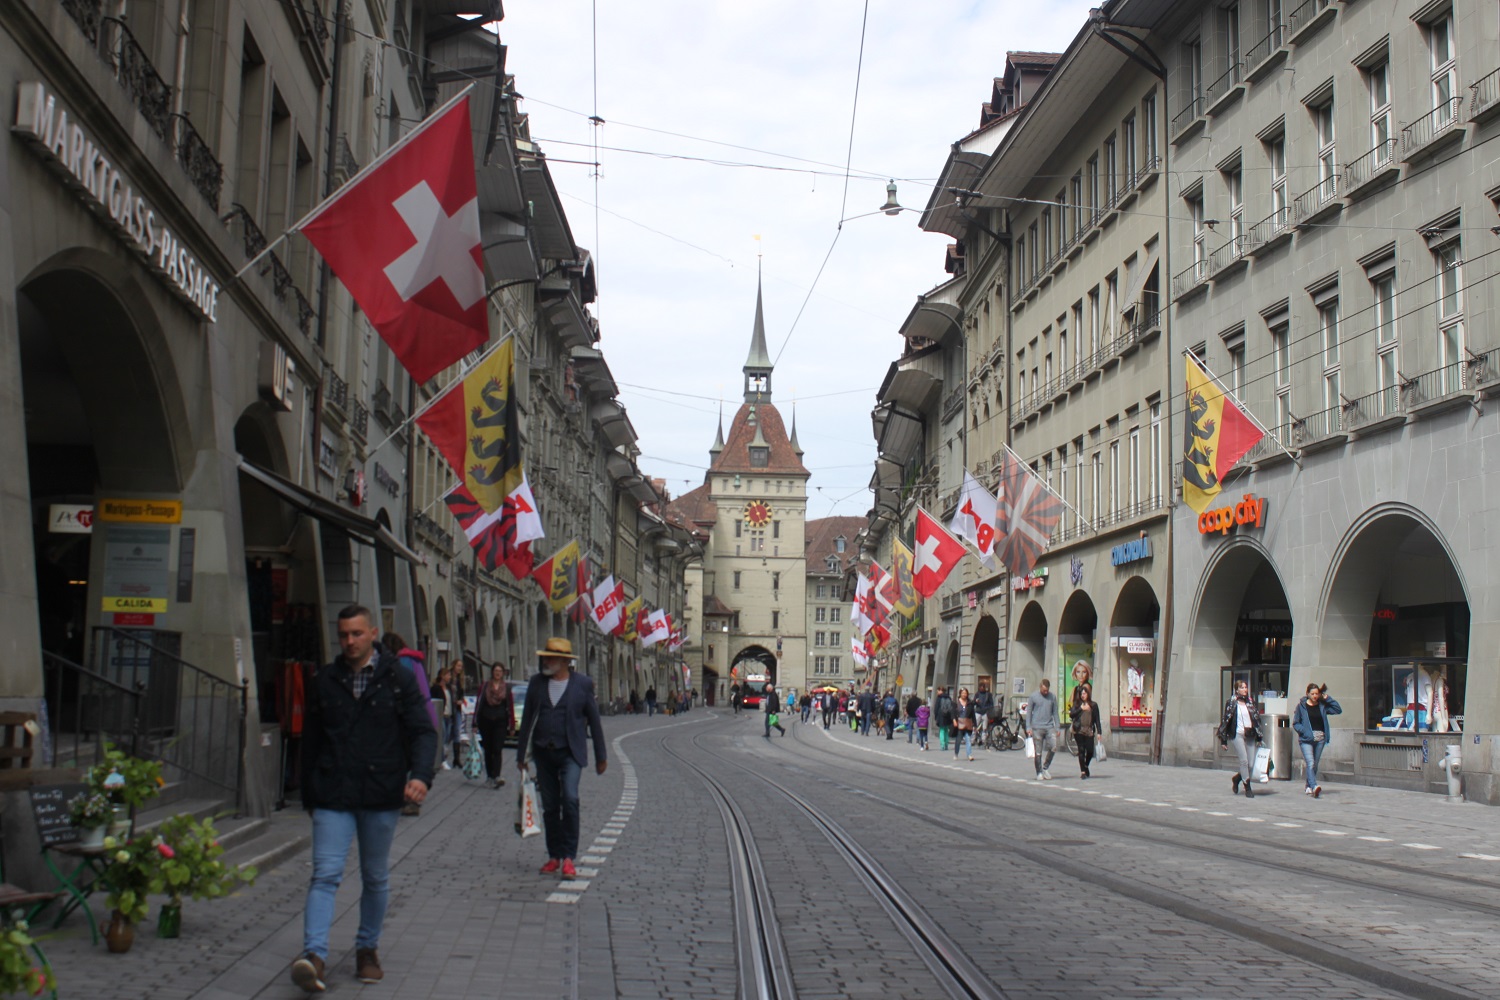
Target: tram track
1091,822
765,973
1367,968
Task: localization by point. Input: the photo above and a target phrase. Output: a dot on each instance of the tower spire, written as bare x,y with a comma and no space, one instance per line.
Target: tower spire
713,452
758,365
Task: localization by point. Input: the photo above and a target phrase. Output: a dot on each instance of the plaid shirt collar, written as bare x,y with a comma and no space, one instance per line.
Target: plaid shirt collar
359,679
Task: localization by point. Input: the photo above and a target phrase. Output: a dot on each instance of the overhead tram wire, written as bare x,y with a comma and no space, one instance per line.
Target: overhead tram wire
844,202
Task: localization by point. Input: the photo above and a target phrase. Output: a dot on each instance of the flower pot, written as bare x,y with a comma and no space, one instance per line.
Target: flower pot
120,934
169,921
91,836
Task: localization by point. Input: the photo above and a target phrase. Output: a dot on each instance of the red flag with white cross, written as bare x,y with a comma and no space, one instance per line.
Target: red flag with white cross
935,553
403,237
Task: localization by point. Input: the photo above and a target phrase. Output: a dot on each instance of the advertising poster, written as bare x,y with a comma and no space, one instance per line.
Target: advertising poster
1077,668
1135,674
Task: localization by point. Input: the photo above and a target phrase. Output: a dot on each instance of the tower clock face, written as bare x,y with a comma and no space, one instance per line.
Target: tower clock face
757,513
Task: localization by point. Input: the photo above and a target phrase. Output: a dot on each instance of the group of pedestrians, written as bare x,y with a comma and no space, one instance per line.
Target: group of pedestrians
1240,728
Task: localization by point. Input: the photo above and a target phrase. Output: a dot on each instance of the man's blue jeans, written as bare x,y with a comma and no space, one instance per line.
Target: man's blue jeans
1312,755
333,831
557,783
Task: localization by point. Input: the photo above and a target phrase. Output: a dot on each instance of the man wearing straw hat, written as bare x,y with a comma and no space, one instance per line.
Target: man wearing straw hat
558,705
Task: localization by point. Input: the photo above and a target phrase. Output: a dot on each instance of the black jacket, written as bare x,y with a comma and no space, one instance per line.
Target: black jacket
359,754
1229,723
580,710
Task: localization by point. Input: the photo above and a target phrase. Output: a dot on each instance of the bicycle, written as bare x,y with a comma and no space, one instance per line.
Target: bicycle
1001,736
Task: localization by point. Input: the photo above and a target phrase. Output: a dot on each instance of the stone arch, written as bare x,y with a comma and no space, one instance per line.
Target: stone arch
984,650
1029,650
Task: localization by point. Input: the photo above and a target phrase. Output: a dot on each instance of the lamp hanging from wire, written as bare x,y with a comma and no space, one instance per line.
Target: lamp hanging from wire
891,206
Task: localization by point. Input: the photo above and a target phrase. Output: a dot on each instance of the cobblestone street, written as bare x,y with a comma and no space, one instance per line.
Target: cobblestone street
1143,882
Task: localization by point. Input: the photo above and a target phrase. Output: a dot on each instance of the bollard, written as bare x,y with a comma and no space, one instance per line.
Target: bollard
1451,764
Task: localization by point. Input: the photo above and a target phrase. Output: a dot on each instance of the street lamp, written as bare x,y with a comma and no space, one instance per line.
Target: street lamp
891,206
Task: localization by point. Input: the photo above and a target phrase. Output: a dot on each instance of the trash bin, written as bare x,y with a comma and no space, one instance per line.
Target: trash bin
1281,737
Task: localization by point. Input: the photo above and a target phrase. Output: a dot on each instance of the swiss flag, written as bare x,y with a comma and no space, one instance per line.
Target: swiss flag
403,237
935,554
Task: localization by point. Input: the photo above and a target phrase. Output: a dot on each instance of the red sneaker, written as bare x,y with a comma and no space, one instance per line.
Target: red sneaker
568,871
550,868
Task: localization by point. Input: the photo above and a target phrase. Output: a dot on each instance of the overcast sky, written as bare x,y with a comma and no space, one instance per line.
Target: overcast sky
676,223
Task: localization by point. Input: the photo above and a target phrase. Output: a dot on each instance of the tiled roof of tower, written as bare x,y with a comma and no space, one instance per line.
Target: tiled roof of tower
736,454
693,511
819,537
712,605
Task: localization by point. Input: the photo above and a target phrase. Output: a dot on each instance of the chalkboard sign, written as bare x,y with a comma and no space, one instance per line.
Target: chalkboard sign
50,805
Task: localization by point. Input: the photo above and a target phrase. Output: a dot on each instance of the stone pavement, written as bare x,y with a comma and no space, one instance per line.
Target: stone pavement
471,917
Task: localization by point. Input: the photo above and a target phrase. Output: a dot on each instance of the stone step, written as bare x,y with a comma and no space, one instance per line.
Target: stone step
277,838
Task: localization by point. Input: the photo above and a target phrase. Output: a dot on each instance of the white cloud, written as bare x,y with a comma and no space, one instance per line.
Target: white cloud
777,76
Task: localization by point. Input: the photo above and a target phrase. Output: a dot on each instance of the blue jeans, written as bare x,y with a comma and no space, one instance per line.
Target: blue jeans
1312,754
557,774
333,830
966,737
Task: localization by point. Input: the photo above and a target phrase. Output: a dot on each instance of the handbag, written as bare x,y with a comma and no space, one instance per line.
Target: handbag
1261,771
964,725
528,805
1030,747
775,719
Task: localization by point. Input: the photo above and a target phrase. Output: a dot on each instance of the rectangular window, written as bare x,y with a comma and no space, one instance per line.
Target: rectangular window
736,579
1234,187
1230,21
776,619
1237,369
1154,484
1062,473
1444,72
820,615
1064,220
1078,483
1276,159
1033,251
1114,478
1127,151
1148,131
775,581
1093,179
1448,261
833,614
1281,353
1021,276
1047,248
1135,470
820,639
1111,170
1327,167
1095,322
1328,339
1111,305
1192,58
776,525
834,638
1378,79
738,528
819,663
757,541
1075,186
835,665
1199,228
1096,481
822,590
1387,352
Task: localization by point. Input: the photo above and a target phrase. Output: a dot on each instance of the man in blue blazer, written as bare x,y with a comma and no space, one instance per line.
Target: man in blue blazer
558,704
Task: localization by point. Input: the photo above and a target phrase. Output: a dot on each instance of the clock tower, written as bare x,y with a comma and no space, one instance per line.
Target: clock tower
755,495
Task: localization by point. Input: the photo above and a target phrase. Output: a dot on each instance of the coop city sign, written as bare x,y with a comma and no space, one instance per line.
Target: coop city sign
59,139
1248,513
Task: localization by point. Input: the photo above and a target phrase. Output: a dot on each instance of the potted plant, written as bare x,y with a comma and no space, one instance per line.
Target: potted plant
192,866
91,813
134,871
22,968
126,781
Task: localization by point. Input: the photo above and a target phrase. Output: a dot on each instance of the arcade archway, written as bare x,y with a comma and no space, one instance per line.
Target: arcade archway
1077,654
984,652
1029,651
1241,630
1129,693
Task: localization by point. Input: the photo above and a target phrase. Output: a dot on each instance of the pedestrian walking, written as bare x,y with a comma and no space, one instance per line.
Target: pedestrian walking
1042,725
963,724
806,703
942,716
1240,727
456,682
368,745
984,710
559,716
772,708
830,708
1086,727
635,702
889,708
736,700
442,690
495,718
923,717
866,711
912,704
651,701
1310,721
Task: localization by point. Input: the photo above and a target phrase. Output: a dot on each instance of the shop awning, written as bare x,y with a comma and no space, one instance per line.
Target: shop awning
362,529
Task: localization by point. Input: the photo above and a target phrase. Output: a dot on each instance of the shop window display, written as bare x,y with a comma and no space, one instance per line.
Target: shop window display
1415,696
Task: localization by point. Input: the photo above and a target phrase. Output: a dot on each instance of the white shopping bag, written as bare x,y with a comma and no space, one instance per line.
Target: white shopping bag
1262,767
528,808
1100,754
1030,748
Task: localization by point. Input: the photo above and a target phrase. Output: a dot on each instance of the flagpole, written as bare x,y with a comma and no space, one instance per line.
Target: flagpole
327,203
1048,487
1241,404
401,428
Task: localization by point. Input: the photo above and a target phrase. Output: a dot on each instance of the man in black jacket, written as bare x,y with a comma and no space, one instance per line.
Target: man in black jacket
368,745
560,706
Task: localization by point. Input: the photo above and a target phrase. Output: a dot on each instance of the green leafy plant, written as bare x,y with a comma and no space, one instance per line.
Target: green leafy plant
19,971
192,862
134,872
125,779
91,811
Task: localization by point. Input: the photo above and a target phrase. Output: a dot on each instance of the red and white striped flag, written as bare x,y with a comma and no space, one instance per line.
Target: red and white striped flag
1031,510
